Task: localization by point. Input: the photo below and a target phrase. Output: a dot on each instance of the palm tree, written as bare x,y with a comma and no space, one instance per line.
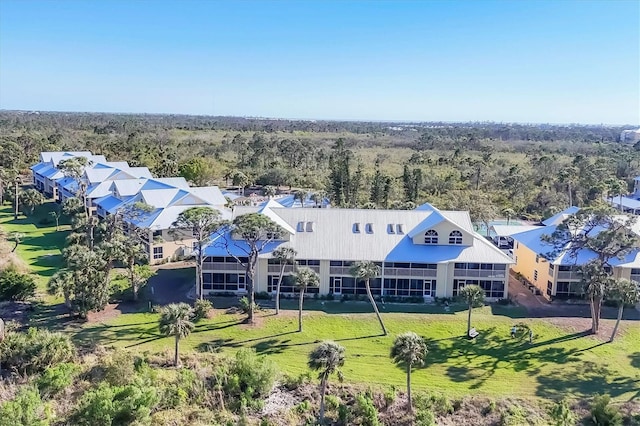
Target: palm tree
30,199
305,278
61,283
409,349
327,358
269,191
318,197
508,213
625,292
473,295
56,213
175,320
286,256
366,270
300,195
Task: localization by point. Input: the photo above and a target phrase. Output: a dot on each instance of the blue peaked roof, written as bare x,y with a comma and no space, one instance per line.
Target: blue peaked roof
553,219
406,251
222,245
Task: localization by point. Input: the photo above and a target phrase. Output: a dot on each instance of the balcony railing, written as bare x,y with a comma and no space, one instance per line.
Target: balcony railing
408,272
478,273
569,275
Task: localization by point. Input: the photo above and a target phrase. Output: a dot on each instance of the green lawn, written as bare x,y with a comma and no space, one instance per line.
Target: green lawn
557,363
41,246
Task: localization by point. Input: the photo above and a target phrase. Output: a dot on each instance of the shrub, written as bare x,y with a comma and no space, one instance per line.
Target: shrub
343,414
513,416
603,414
561,414
330,296
425,417
250,377
55,379
367,412
243,304
25,409
16,286
119,368
111,405
437,403
331,402
389,397
35,350
303,407
294,382
201,309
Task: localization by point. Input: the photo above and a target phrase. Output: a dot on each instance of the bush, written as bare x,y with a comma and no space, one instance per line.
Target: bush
513,416
367,412
115,405
425,417
201,309
25,409
437,403
603,414
243,304
119,368
16,286
303,407
343,414
561,414
250,377
55,379
35,350
331,402
294,382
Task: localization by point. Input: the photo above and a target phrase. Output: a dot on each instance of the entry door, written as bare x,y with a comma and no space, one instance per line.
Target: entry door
242,282
337,286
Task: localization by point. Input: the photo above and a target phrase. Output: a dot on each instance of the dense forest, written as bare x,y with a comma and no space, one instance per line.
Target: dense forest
491,169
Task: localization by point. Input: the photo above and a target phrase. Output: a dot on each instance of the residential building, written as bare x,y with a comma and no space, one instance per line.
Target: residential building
422,253
557,276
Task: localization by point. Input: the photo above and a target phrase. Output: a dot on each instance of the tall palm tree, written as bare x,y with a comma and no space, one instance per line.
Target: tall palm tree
318,197
286,256
509,213
409,349
625,292
473,295
327,358
365,270
301,195
305,278
175,320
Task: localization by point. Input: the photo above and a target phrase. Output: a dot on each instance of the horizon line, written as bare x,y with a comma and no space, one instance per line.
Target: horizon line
343,120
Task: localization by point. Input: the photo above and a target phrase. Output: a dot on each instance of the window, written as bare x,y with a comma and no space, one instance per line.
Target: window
157,234
227,282
390,229
356,228
455,237
409,287
157,253
399,229
300,227
535,275
493,289
431,237
369,228
311,226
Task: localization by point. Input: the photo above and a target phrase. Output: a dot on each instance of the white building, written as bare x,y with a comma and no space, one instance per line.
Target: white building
422,253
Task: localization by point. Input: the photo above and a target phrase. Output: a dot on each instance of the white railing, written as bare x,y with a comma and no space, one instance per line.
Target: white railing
478,273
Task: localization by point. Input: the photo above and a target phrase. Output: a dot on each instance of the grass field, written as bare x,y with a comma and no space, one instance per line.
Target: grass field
558,362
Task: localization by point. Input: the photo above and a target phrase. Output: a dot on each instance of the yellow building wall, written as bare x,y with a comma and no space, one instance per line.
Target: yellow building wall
527,262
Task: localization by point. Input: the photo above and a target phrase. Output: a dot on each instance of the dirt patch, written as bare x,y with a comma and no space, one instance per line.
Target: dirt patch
15,311
9,259
110,311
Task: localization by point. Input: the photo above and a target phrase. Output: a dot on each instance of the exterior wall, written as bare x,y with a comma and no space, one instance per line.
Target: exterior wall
527,262
171,247
227,269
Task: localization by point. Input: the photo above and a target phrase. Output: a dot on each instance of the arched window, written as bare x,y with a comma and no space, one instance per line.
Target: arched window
431,237
455,237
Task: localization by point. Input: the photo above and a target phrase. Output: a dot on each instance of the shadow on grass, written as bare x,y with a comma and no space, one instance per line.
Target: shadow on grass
585,379
635,359
476,361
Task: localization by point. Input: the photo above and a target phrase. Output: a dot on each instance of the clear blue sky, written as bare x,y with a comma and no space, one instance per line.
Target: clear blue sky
523,61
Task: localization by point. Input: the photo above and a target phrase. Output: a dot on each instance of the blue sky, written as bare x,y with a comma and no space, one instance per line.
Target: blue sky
518,61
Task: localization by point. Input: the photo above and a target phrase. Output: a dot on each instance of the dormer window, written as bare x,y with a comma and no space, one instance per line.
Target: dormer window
455,237
390,229
300,227
356,228
399,229
369,228
311,226
431,237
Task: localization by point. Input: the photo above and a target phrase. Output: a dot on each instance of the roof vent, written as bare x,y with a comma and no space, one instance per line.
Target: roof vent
390,229
369,228
300,227
311,226
356,228
399,229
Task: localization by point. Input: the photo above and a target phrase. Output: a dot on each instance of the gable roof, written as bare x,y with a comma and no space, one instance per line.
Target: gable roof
558,218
